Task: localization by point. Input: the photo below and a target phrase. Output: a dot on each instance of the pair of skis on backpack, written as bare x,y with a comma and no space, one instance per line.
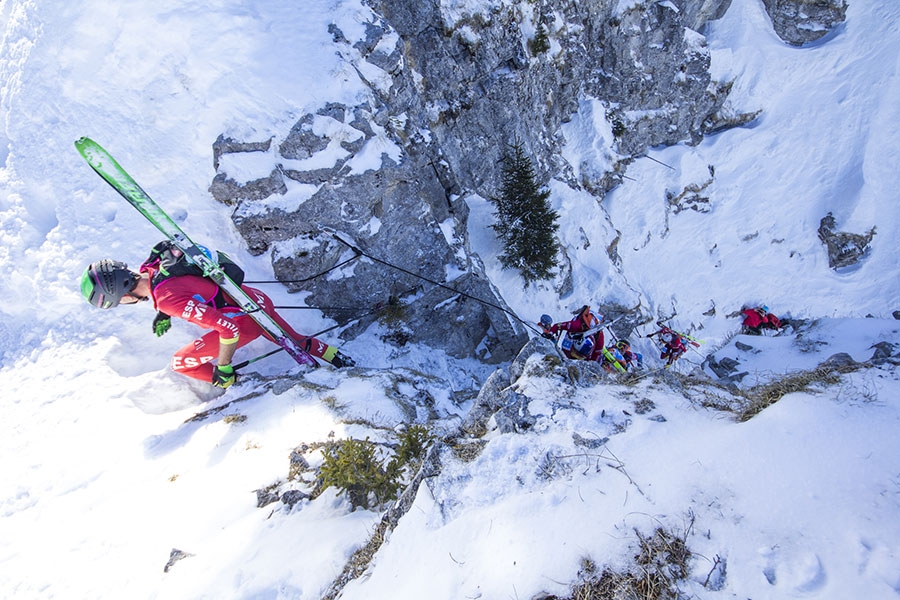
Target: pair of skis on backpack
691,340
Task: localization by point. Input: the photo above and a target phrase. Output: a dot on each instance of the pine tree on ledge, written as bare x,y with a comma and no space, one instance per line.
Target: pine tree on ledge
525,222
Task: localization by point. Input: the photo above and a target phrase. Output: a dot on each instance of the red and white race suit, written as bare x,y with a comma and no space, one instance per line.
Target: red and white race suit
191,298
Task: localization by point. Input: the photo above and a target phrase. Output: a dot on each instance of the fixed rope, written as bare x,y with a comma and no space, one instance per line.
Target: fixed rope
357,252
360,252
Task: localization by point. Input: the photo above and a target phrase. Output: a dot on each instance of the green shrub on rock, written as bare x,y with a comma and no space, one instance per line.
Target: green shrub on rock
353,466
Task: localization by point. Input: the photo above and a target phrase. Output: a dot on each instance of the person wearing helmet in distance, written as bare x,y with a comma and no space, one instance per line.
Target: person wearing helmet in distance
673,345
633,360
575,344
108,283
759,318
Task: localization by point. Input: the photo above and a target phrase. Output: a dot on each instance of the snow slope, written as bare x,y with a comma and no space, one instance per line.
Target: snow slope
104,475
800,501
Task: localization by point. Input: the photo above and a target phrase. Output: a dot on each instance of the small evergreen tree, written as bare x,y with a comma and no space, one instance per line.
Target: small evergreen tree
540,43
353,466
525,222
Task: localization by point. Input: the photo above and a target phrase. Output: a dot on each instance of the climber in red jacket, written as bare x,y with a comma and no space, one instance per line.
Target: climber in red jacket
108,283
574,345
673,345
759,318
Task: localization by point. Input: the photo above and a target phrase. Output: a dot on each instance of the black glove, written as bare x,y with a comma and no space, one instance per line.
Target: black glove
342,360
161,323
223,376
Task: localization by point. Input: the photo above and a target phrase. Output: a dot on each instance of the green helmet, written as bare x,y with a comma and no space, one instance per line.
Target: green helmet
105,282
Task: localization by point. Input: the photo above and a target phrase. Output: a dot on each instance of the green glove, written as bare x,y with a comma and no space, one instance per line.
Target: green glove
223,376
161,323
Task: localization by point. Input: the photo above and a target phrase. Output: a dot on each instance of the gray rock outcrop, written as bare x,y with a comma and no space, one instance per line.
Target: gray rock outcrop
845,249
800,22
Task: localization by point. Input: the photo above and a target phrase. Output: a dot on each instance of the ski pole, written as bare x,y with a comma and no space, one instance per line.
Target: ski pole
637,377
613,333
297,307
657,161
241,365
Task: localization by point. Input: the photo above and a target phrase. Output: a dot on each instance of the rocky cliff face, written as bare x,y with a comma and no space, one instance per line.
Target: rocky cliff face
476,83
451,90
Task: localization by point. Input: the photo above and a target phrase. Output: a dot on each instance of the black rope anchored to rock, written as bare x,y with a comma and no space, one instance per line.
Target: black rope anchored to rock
357,252
360,252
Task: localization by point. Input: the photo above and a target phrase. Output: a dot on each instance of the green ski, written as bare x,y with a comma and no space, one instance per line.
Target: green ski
612,360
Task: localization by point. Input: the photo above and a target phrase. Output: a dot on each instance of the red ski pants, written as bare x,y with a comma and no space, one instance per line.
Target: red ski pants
195,359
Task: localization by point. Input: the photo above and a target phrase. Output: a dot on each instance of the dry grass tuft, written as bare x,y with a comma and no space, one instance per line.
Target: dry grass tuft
661,562
762,396
748,403
468,451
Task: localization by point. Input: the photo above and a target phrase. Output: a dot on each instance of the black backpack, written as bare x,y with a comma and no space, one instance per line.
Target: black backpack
169,261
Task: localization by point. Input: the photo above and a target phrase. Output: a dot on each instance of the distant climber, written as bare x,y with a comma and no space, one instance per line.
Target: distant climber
576,345
633,360
673,345
613,360
759,318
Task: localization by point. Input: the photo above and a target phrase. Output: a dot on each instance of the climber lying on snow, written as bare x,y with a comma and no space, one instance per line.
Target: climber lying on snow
759,318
